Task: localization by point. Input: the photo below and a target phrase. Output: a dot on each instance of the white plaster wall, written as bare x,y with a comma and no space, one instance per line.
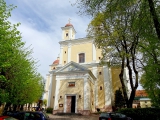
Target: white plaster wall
93,52
94,71
107,86
50,90
61,55
56,106
86,94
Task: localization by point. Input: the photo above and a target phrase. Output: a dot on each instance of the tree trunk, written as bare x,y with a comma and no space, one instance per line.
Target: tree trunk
130,101
155,17
122,81
21,107
14,107
7,106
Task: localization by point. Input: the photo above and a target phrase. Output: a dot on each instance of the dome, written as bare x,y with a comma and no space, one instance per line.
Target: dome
68,24
56,62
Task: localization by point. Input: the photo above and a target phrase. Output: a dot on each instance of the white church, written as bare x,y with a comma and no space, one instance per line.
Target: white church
76,82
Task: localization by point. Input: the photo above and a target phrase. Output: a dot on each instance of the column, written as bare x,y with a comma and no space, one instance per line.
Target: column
94,71
61,55
107,87
50,90
93,52
56,106
86,93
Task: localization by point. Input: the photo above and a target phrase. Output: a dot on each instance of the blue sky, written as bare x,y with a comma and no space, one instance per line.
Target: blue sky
41,22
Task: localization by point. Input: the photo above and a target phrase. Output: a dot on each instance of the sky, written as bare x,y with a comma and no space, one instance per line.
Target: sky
41,22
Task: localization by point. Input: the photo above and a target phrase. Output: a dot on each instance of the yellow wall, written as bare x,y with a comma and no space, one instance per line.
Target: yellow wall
145,103
98,54
101,94
116,84
65,55
81,48
78,89
66,31
91,95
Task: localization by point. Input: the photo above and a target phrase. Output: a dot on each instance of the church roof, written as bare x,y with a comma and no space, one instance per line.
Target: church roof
141,93
68,24
56,62
72,66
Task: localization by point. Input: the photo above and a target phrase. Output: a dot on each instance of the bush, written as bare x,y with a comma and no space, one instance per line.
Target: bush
142,113
49,110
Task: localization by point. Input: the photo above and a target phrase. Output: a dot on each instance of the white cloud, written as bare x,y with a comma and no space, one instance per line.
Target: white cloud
41,22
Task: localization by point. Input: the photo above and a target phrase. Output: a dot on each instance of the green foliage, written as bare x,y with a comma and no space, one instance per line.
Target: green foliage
119,99
45,102
19,81
142,113
132,28
115,30
49,110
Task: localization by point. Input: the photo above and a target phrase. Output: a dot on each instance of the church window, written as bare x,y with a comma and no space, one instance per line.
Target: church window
81,58
100,73
65,52
66,34
64,62
71,84
100,87
99,58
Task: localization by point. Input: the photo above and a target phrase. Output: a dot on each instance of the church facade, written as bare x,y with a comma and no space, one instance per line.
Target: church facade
76,82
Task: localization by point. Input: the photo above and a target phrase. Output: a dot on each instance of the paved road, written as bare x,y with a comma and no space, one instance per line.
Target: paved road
73,117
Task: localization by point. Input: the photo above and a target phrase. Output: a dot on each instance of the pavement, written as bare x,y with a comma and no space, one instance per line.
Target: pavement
73,117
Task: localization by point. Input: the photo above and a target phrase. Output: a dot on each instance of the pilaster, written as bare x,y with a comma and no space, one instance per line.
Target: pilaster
61,55
107,88
86,93
94,71
93,53
56,106
50,90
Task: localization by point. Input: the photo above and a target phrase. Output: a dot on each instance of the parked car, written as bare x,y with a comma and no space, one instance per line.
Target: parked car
30,115
10,113
7,118
113,116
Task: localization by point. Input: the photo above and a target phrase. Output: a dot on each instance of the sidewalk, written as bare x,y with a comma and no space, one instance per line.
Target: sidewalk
73,117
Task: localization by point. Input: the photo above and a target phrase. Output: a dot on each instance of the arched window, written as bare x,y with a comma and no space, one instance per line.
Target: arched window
81,58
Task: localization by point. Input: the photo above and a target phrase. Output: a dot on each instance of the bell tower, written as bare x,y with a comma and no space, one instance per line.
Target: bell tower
68,32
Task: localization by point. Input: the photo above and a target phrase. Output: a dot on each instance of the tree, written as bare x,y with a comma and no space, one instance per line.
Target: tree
45,103
119,99
19,81
117,30
130,31
151,51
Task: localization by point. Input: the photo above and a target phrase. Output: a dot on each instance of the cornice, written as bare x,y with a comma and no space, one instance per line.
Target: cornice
76,41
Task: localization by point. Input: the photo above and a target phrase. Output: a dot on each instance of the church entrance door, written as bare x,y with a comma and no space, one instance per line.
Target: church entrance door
71,104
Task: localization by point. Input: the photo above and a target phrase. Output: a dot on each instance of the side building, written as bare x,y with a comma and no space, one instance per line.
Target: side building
76,82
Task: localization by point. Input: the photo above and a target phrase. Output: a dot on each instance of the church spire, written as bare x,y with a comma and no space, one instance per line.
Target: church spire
68,32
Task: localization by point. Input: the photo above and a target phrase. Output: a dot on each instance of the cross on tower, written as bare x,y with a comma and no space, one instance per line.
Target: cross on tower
69,20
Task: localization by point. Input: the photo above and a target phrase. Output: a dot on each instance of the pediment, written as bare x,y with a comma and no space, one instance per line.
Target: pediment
72,66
